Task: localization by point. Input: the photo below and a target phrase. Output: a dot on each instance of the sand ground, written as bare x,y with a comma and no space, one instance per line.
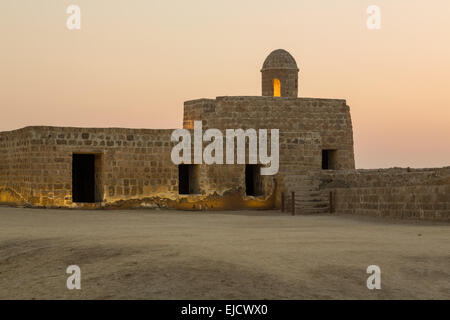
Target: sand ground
159,254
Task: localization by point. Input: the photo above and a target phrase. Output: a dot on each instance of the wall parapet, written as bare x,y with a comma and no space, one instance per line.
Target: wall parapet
422,194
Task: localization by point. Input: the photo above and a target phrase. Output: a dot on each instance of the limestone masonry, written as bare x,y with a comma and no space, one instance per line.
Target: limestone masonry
123,168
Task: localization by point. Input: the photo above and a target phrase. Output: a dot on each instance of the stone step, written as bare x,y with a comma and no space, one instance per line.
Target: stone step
308,213
310,198
315,204
318,196
323,205
308,191
311,204
309,208
306,197
302,191
309,201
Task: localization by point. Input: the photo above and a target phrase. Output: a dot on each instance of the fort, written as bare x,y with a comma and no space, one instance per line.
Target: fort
69,167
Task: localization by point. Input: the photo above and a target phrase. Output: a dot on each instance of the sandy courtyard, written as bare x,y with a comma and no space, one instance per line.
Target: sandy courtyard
158,254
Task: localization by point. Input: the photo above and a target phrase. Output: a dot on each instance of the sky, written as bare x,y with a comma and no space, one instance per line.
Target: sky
134,62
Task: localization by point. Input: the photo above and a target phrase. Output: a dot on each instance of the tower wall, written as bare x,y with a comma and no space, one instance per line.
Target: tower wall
328,119
288,79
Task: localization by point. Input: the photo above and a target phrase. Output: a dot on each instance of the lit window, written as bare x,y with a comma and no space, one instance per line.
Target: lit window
276,88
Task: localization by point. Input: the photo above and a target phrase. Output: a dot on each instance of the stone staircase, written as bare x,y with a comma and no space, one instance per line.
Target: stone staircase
309,199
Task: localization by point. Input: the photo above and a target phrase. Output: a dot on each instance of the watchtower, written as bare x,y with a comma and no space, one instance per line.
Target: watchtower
280,75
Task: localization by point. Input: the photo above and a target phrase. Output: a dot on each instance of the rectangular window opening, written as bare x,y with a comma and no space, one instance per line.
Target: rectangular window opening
188,179
87,178
328,159
253,182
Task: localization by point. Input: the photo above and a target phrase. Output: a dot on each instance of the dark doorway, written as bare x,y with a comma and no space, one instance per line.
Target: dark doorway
183,179
253,183
188,181
83,178
328,159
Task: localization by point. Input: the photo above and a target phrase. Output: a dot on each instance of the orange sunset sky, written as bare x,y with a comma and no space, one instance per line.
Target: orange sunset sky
134,63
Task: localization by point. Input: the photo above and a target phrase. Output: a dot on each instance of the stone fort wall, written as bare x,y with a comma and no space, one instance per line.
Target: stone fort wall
307,126
36,163
398,193
329,119
134,169
15,166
